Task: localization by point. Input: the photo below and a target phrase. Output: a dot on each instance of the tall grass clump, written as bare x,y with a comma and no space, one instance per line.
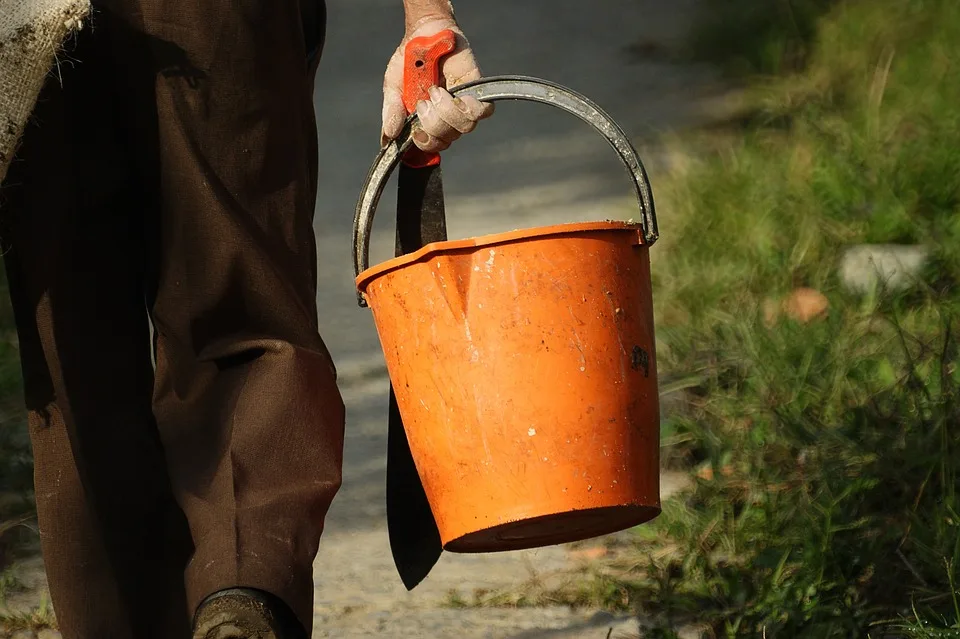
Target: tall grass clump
823,447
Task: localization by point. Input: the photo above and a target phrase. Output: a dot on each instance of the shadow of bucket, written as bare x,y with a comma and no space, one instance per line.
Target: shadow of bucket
524,363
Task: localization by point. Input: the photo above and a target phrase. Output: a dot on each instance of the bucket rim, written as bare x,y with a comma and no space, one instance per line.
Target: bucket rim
366,277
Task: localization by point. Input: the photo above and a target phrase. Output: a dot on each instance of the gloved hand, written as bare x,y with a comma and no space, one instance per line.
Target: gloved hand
443,118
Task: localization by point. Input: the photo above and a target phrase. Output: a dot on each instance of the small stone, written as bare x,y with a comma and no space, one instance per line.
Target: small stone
805,304
23,634
802,305
867,267
49,634
590,553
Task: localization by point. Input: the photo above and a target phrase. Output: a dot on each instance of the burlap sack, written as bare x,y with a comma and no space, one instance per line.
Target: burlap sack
31,33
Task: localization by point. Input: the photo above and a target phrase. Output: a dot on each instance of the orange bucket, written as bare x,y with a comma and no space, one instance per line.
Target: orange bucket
524,363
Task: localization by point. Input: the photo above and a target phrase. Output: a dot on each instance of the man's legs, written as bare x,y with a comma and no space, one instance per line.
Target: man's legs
246,397
201,201
114,541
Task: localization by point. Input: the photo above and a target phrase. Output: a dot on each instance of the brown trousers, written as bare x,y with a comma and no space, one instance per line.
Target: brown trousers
169,174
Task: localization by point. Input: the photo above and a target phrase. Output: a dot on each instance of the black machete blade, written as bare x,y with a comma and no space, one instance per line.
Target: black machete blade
414,537
421,218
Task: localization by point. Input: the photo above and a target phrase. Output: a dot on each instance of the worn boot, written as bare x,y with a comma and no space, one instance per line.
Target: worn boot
245,613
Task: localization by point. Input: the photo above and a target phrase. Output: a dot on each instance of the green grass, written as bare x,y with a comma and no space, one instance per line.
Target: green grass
831,504
9,583
39,618
825,454
747,37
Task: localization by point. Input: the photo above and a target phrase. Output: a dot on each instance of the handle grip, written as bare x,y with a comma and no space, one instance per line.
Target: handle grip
493,89
421,70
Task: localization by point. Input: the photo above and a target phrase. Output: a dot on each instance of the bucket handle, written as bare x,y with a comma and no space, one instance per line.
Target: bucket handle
493,89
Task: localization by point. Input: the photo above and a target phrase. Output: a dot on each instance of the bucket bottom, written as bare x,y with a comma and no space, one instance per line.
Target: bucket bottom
550,530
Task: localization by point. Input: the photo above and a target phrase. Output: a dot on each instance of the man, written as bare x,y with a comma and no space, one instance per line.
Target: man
169,175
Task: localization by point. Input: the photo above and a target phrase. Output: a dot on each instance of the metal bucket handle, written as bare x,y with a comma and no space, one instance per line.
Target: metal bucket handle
493,89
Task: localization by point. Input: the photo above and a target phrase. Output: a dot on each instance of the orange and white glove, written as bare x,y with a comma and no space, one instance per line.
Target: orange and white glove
443,118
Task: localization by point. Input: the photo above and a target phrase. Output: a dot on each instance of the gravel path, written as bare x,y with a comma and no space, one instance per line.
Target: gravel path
526,166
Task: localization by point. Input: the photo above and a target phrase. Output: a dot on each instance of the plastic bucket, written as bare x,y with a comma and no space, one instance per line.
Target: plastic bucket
524,363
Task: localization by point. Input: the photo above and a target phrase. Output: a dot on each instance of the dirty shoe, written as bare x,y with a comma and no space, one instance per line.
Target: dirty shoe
244,613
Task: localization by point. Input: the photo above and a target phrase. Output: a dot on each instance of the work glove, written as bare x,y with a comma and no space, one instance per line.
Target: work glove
443,118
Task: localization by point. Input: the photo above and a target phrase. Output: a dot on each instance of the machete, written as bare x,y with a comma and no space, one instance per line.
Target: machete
414,537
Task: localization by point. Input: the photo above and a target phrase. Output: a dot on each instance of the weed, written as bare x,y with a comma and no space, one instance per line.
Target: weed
39,618
824,453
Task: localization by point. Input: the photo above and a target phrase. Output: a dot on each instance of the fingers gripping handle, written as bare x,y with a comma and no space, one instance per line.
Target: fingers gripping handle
421,70
421,65
493,89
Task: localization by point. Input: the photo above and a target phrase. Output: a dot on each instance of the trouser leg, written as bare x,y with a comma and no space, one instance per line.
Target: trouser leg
246,396
201,201
115,543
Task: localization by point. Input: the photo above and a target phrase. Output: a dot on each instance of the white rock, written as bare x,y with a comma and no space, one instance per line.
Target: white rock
865,267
